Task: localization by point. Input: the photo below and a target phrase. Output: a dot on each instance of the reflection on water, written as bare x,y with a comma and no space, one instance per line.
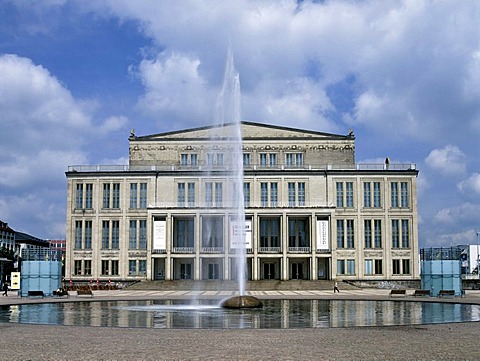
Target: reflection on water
276,314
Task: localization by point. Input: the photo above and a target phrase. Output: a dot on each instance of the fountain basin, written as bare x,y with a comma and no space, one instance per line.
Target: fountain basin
242,302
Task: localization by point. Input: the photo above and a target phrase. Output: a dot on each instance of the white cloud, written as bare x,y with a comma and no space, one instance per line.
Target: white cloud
449,160
458,215
470,186
112,124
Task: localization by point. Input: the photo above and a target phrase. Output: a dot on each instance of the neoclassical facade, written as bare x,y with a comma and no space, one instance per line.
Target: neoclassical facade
311,212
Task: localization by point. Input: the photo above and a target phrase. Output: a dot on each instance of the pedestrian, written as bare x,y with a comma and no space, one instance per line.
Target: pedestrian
335,287
5,289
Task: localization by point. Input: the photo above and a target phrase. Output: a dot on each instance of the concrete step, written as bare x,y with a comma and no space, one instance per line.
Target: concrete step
214,285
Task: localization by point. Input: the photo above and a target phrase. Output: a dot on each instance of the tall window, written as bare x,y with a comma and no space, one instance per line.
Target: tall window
406,266
340,267
294,159
396,267
269,191
298,232
218,194
273,194
394,194
264,194
373,233
215,159
143,195
209,194
181,194
368,233
395,234
183,233
339,189
132,235
291,194
116,196
246,159
78,267
301,193
105,234
88,234
378,267
78,234
133,195
350,266
114,268
378,233
132,267
349,194
368,196
88,267
404,194
142,267
212,232
191,194
79,196
106,195
400,236
105,268
246,194
270,232
268,159
138,234
89,195
377,195
368,267
405,234
350,234
115,234
340,233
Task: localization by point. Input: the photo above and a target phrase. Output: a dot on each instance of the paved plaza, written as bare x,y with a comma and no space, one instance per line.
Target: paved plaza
454,341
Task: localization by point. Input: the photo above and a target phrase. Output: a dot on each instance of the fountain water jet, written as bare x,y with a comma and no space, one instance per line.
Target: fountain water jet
228,117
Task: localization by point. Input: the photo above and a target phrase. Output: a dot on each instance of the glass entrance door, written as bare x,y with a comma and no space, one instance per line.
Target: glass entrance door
186,271
297,271
269,271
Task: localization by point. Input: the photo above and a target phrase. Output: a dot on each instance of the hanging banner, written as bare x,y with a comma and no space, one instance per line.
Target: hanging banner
240,234
322,235
159,234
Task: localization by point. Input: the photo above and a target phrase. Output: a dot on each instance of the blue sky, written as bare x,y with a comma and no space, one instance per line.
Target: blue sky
76,76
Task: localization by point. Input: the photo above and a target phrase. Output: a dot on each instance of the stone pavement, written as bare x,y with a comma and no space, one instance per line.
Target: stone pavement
455,341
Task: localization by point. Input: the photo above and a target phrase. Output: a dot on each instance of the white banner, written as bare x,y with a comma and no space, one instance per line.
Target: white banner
241,234
159,234
322,235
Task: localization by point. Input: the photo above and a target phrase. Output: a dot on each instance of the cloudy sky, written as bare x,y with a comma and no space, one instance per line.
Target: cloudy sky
76,76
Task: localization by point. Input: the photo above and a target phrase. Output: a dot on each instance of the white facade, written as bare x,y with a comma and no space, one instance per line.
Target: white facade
311,212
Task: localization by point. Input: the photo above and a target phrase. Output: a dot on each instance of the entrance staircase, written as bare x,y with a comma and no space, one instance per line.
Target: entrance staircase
216,285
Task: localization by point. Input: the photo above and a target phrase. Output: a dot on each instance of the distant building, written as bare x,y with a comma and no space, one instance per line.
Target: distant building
311,212
7,236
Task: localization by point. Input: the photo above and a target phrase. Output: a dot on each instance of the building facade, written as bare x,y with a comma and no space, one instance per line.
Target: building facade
311,212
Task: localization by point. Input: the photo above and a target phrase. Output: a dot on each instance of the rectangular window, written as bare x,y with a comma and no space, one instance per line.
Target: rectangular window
105,269
191,194
404,194
270,233
88,234
294,159
89,195
377,195
143,195
88,267
115,234
246,159
263,159
298,233
218,194
368,233
301,193
349,194
132,244
291,194
394,194
350,266
106,195
183,160
368,267
340,267
246,194
181,194
395,234
377,223
105,234
116,196
78,234
406,266
378,267
405,234
79,196
273,159
183,233
114,270
194,159
212,232
78,267
264,194
350,234
273,194
339,189
396,266
209,194
132,267
142,267
133,195
142,234
367,195
340,234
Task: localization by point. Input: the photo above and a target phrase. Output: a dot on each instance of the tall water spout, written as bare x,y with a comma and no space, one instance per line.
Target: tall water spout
228,114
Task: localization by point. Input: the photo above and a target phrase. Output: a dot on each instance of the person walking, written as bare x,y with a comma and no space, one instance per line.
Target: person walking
5,289
335,287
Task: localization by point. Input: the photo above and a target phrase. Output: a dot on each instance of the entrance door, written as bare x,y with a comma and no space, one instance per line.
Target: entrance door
297,271
213,271
269,271
185,271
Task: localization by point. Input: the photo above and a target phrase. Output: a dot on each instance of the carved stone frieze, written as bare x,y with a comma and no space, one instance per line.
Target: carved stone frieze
137,254
398,253
372,254
346,254
110,254
82,254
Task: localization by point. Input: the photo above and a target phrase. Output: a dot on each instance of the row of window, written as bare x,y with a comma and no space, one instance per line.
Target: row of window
372,195
264,159
111,234
110,267
373,267
213,233
111,196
